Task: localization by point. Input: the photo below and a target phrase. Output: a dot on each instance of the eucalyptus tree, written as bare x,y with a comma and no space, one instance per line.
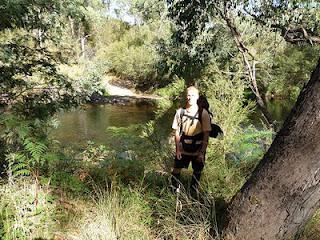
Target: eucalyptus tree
188,50
30,79
283,191
148,11
228,11
198,28
297,20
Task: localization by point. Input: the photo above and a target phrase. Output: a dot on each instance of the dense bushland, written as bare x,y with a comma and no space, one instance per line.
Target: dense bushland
55,54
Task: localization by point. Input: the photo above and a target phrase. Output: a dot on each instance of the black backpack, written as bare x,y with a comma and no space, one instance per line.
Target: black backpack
204,104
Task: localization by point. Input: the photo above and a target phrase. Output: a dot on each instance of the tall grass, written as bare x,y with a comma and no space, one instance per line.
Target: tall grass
180,216
117,213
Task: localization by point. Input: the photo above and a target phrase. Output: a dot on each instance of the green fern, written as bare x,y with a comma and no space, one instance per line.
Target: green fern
25,161
18,164
35,149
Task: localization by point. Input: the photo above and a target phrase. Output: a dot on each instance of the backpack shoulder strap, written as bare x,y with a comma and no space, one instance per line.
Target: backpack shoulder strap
182,113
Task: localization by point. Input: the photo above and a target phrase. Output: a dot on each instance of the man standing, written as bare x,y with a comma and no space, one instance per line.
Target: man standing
191,139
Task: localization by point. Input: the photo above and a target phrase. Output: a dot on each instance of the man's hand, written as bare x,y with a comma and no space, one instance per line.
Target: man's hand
200,157
178,153
178,145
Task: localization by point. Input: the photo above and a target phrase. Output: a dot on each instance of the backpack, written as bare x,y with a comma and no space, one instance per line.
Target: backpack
204,104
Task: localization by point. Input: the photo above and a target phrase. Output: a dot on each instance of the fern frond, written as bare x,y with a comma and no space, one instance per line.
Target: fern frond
18,164
54,123
36,149
13,158
22,172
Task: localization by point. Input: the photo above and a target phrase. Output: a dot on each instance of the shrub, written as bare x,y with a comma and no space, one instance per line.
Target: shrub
133,56
230,160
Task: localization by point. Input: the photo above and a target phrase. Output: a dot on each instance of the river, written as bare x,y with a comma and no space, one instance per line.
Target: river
91,121
278,109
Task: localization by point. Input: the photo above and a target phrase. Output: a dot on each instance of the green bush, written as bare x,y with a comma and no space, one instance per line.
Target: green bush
230,160
291,69
133,56
72,185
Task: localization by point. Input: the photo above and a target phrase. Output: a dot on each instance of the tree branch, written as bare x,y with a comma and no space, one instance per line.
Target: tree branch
290,34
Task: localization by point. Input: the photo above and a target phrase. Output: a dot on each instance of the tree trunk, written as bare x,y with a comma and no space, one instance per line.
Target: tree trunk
284,189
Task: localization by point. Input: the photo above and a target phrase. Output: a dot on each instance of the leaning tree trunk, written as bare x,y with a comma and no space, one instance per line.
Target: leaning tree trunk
284,190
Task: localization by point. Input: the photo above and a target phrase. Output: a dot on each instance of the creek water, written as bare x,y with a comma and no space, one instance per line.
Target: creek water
278,109
90,123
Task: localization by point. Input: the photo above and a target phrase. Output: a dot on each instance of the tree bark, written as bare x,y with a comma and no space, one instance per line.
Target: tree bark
284,189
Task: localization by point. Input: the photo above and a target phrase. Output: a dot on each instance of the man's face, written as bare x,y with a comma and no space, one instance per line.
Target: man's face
192,97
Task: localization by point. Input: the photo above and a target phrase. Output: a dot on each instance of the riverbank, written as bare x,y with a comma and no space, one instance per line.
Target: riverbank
122,92
122,100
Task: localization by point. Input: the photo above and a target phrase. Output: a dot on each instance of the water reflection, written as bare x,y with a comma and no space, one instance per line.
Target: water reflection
90,123
278,109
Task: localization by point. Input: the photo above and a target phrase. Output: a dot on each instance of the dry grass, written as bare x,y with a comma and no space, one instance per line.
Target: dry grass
115,215
180,216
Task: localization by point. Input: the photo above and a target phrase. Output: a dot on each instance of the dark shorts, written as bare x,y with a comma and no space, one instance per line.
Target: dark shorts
185,161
